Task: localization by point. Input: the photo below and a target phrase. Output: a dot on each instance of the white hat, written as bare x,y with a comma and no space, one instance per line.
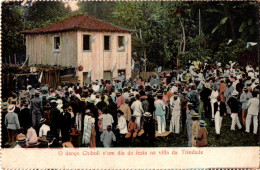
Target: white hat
234,93
147,114
257,81
59,102
28,87
11,108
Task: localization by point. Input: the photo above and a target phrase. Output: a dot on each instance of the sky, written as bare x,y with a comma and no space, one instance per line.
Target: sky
73,4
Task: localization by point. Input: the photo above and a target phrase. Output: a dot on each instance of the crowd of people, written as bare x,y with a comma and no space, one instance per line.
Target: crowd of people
115,113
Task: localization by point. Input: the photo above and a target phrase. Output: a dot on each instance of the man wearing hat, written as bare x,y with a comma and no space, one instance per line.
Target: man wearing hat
25,118
183,103
137,110
245,96
253,111
189,122
54,119
219,111
234,106
12,123
21,142
202,140
119,99
193,97
126,110
4,111
176,111
195,129
149,128
44,128
121,126
89,124
160,113
46,113
65,123
36,110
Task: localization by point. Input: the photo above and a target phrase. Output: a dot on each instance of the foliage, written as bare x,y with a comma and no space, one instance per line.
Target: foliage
12,25
229,52
171,29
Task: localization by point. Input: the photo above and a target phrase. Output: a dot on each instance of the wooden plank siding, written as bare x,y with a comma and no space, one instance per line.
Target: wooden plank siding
40,49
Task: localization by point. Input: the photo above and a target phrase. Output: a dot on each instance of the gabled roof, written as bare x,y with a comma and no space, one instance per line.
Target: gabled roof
78,22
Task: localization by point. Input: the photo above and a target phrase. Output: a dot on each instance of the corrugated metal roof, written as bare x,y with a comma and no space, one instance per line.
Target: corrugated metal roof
78,22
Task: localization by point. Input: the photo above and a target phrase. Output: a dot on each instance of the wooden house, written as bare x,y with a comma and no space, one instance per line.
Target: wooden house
97,49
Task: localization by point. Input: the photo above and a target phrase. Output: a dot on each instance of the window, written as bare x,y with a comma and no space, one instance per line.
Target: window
106,42
86,42
121,46
56,43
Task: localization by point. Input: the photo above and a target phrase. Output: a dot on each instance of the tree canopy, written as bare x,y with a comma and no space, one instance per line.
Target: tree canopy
173,31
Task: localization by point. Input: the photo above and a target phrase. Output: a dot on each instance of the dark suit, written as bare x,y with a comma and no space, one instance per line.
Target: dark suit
222,108
55,121
65,125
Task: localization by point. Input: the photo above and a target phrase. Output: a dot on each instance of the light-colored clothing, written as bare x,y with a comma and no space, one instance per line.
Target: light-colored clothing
176,112
126,110
137,112
202,140
218,122
244,99
253,106
88,124
122,126
11,121
160,115
248,123
107,137
253,110
137,108
31,136
43,130
107,119
235,121
195,132
213,99
189,123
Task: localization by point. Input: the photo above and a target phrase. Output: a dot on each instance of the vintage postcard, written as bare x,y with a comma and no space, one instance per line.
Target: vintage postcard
129,84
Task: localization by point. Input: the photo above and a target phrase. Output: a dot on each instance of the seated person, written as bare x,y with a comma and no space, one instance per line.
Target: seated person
132,129
31,136
44,128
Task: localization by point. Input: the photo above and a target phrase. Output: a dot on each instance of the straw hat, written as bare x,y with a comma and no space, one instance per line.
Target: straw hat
159,94
42,120
202,123
147,114
195,115
11,108
234,93
5,105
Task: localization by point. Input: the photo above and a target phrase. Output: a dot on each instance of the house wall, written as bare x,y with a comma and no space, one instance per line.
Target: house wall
99,60
40,49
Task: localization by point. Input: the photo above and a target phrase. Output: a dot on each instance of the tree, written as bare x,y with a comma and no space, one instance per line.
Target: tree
40,13
12,26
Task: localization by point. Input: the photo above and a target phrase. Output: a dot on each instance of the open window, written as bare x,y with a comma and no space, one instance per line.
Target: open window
106,42
86,43
56,43
121,46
